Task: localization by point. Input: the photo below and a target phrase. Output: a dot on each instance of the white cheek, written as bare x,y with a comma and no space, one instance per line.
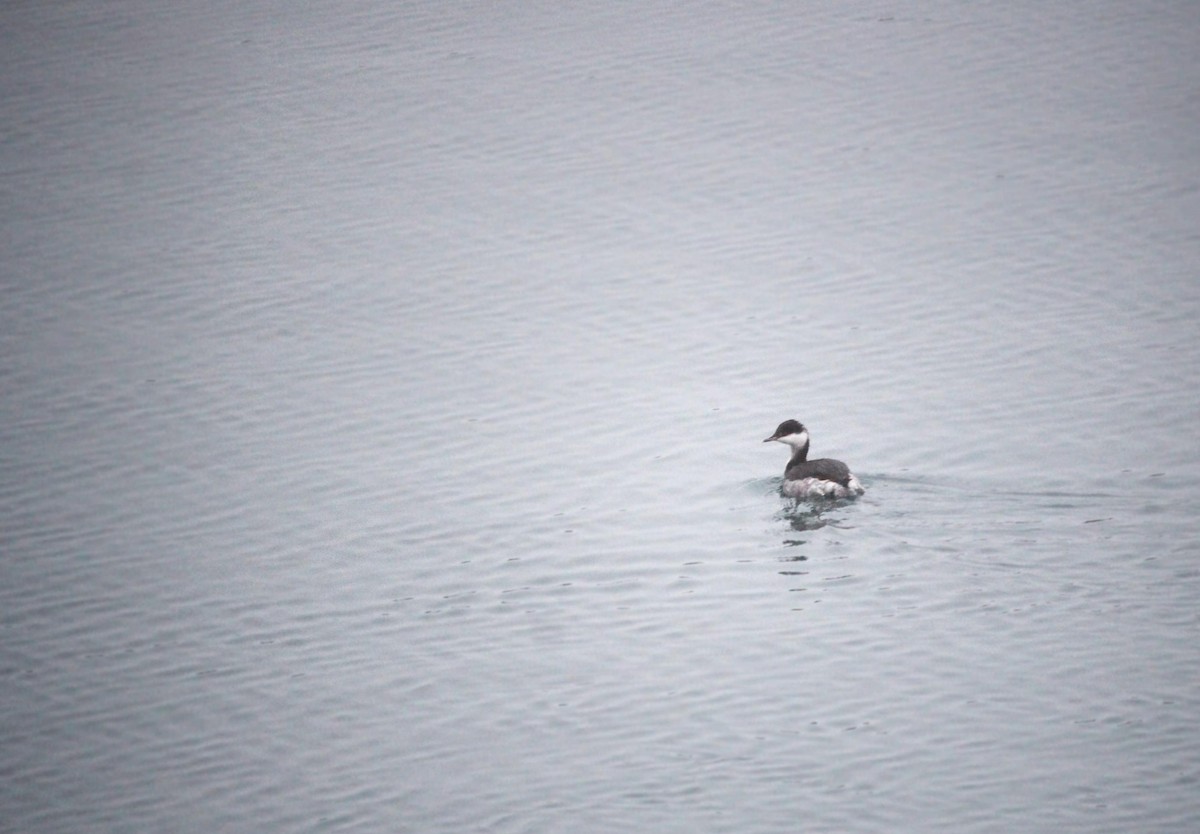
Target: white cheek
795,440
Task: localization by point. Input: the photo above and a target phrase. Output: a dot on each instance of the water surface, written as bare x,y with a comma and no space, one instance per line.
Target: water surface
384,388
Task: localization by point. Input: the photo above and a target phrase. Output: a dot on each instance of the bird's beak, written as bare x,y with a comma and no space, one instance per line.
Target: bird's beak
769,439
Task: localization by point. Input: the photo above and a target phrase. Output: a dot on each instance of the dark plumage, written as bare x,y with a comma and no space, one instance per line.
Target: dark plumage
824,469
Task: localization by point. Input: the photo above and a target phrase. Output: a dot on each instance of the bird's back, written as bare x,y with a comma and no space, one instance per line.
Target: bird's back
825,469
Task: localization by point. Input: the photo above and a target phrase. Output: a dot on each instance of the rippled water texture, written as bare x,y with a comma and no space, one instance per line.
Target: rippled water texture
384,387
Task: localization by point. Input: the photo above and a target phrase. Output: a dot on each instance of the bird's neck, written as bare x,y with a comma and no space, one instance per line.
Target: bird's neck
799,455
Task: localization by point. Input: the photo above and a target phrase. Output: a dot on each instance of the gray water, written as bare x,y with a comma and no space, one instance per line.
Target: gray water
383,389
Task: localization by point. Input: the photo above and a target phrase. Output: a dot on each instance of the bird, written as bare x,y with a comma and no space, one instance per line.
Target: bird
806,479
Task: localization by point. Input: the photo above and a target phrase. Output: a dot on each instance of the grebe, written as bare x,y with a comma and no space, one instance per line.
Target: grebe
804,478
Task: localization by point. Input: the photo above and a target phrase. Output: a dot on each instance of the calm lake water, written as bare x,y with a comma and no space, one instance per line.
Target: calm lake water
383,389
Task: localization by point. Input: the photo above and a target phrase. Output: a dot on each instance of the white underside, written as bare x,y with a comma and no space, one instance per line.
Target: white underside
807,488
